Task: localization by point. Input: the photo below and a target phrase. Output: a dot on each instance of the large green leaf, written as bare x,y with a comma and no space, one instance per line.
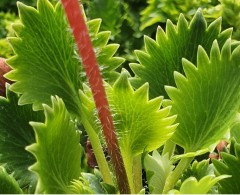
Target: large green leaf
46,61
163,56
135,117
57,150
15,135
139,123
207,99
157,169
229,165
8,185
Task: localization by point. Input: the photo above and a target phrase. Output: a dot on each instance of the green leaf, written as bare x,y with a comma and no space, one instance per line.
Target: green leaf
207,99
8,185
163,56
57,150
46,61
193,186
157,168
229,165
199,170
135,117
15,135
139,123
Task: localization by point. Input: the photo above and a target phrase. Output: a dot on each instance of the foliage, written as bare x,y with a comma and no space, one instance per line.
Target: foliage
178,99
8,184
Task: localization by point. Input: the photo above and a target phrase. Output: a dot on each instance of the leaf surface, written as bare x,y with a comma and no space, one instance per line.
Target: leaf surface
207,99
57,150
15,135
46,62
163,56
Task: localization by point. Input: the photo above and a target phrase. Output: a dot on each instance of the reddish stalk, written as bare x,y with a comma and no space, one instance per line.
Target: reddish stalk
86,51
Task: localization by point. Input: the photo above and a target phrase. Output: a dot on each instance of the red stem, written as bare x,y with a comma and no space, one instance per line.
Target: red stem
86,51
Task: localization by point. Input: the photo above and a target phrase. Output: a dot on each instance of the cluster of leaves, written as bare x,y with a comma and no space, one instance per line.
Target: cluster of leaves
184,92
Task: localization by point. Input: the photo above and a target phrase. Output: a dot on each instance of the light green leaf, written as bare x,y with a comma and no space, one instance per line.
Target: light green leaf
139,123
157,168
8,185
207,99
57,150
229,165
46,61
15,135
135,117
163,56
79,187
193,186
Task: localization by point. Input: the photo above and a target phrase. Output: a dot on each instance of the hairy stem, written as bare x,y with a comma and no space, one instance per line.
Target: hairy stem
98,152
86,51
175,175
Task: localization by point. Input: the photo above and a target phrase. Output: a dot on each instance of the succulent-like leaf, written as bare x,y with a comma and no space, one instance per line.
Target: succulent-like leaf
193,186
157,168
207,99
8,185
15,135
229,165
46,62
163,56
57,150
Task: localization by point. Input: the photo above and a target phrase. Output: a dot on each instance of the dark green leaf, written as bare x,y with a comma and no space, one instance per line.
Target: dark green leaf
15,135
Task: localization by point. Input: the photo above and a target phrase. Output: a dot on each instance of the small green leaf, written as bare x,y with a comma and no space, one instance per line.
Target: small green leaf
157,169
15,135
193,186
8,185
207,99
229,165
163,56
57,150
46,61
